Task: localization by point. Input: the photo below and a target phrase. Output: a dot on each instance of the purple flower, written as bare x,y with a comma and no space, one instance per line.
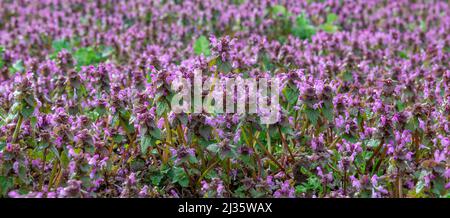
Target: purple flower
161,122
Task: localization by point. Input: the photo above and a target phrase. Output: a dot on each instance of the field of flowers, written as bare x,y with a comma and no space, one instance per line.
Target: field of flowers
86,92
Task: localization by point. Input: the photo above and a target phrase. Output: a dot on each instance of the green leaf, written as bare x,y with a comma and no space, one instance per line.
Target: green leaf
59,45
156,133
372,143
400,106
419,187
349,138
64,158
224,67
201,46
267,62
156,179
193,159
257,194
439,186
205,131
55,151
412,124
328,113
303,28
17,67
2,50
346,76
129,128
137,164
184,182
86,56
23,174
279,9
6,182
27,111
107,51
313,115
41,146
329,25
118,138
329,28
291,95
299,189
146,141
180,177
213,148
331,18
33,121
161,107
423,26
402,54
2,145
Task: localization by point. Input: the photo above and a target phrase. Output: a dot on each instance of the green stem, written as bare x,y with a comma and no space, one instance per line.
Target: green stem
285,145
271,157
269,142
17,129
41,179
206,171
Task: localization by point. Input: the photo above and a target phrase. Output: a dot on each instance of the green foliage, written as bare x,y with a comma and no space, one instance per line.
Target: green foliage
146,142
27,110
17,67
328,112
58,46
402,54
267,62
156,179
213,148
224,67
312,185
180,177
303,28
400,106
291,93
2,50
2,145
373,143
91,56
412,124
329,25
279,10
201,46
423,26
106,52
156,133
161,107
313,115
222,152
84,56
6,183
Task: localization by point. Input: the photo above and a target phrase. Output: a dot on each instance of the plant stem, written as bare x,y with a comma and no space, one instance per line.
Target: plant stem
206,171
168,139
286,146
17,129
271,157
191,180
375,153
41,179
